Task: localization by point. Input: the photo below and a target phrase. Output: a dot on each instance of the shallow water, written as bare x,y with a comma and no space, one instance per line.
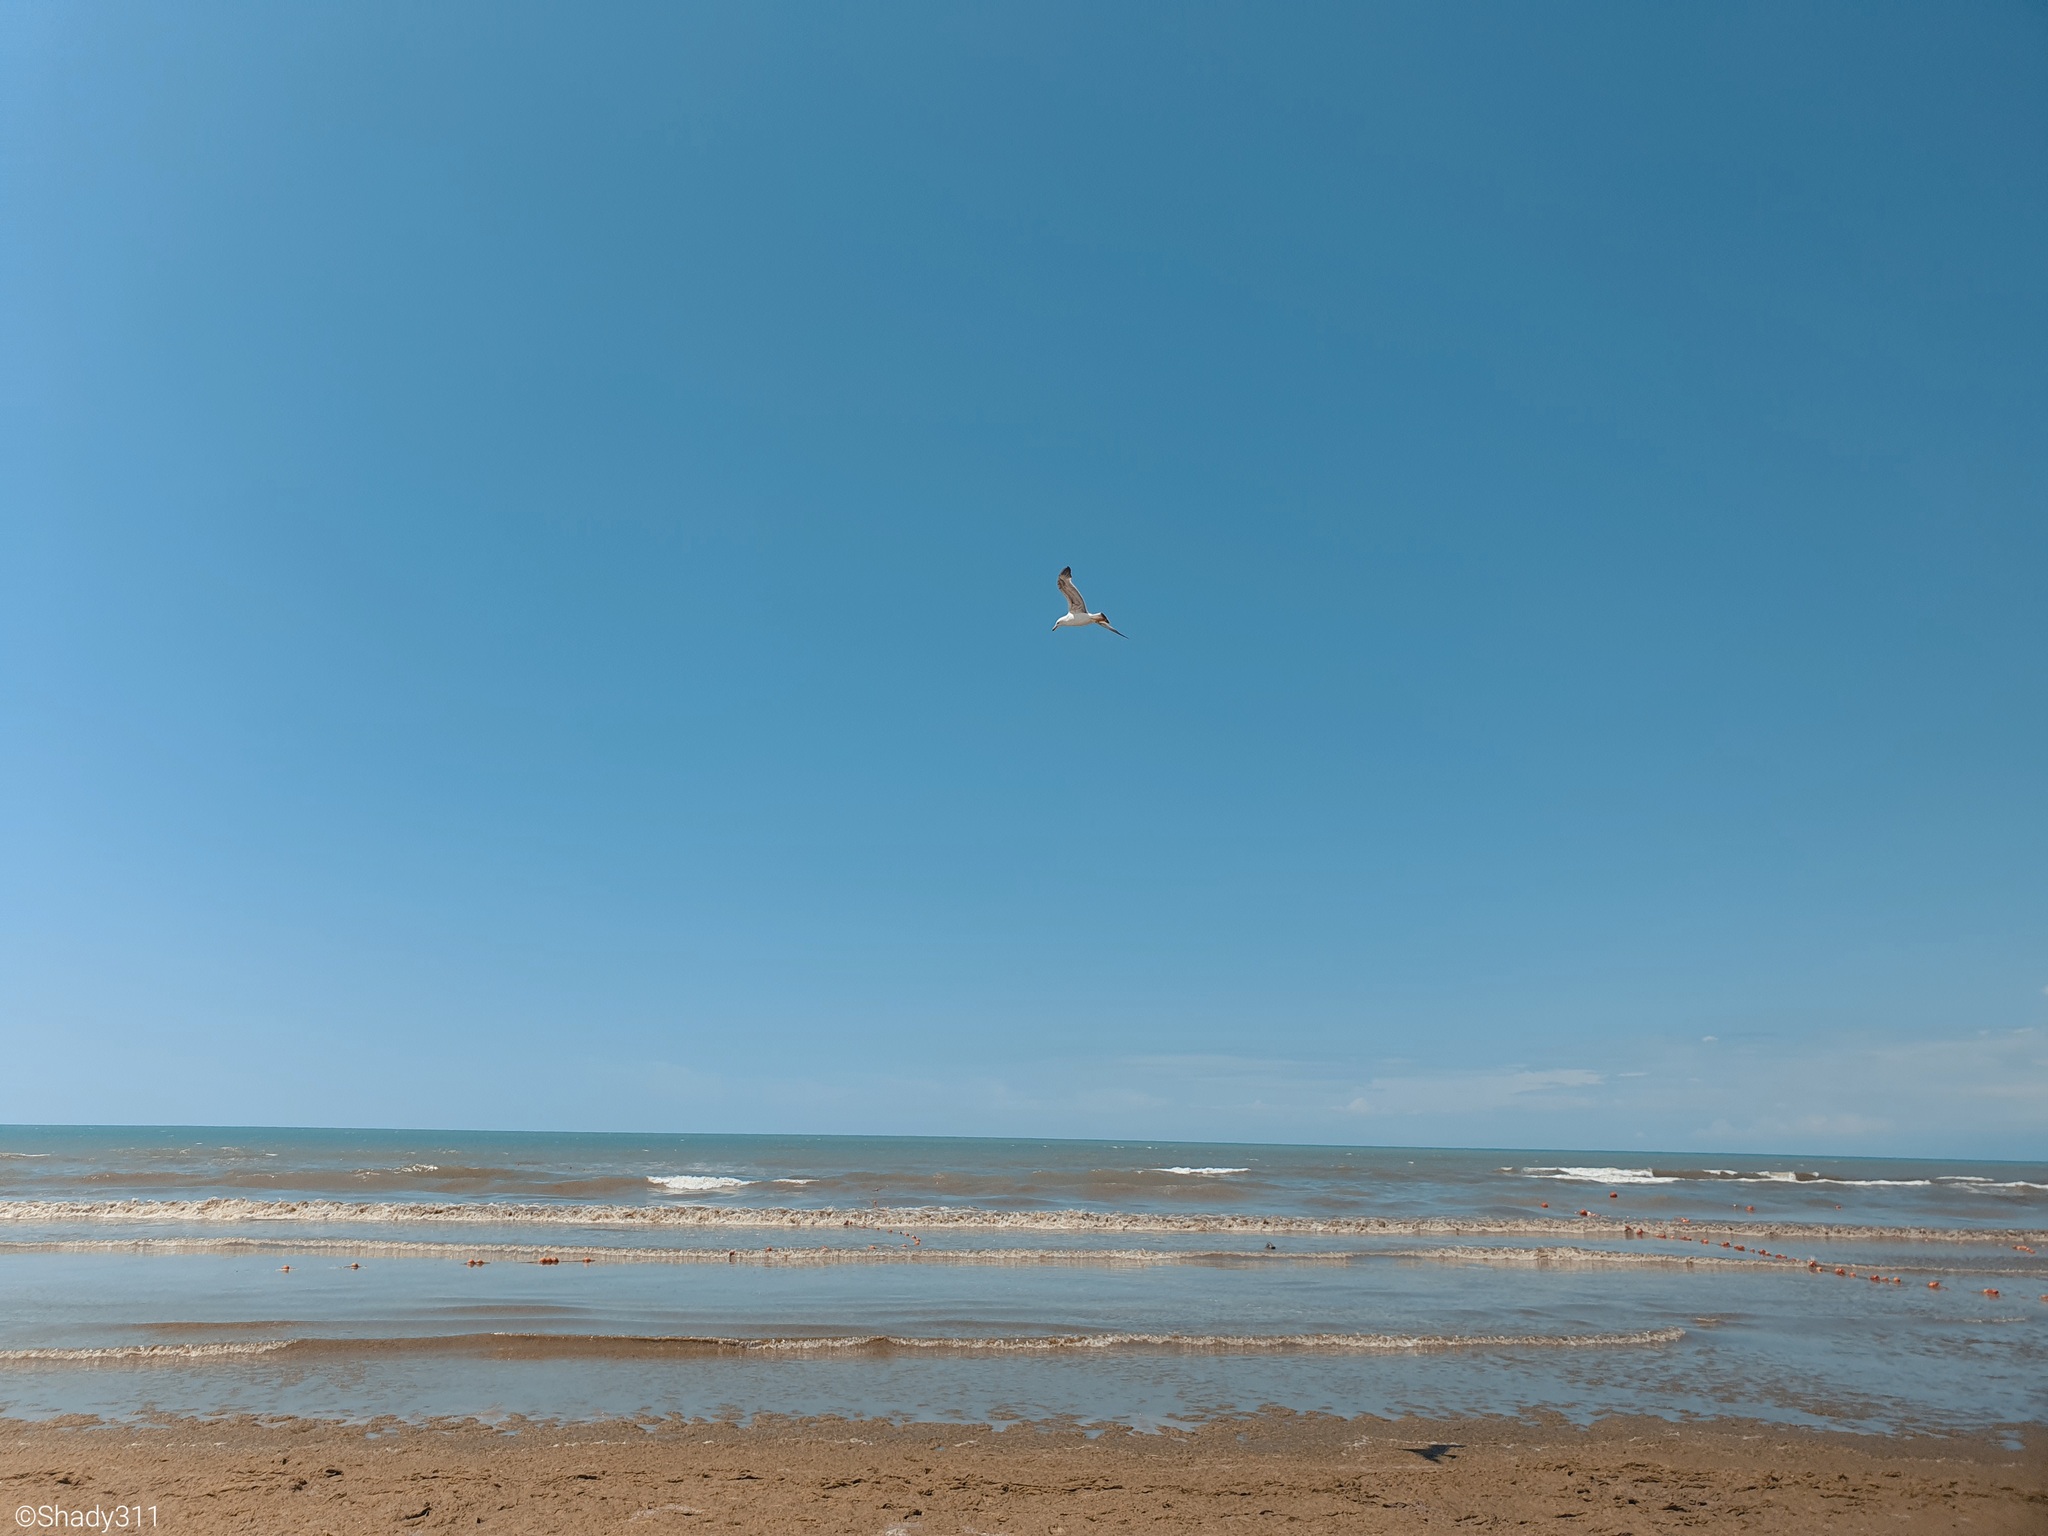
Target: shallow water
394,1306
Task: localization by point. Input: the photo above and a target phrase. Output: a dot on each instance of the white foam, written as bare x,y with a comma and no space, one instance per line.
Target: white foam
143,1353
695,1183
1602,1175
1220,1343
793,1181
1200,1173
1759,1176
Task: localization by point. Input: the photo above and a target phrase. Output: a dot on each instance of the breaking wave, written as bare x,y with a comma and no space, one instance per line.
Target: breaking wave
1593,1175
1606,1175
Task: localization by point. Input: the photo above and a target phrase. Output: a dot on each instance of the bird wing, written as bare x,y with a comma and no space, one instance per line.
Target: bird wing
1076,603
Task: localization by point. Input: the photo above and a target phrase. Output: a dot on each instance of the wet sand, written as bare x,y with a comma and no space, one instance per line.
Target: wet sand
1270,1471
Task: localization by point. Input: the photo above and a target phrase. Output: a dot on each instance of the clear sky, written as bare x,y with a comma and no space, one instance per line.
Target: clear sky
527,539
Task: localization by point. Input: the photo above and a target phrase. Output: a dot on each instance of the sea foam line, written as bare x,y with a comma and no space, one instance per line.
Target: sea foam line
225,1210
141,1354
546,1345
1202,1343
1964,1182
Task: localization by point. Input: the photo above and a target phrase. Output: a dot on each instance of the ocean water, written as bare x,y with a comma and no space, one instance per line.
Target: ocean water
355,1274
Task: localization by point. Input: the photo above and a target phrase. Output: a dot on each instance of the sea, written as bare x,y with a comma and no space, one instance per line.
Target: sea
385,1276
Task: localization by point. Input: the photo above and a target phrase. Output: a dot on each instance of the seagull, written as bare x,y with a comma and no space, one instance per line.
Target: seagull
1078,615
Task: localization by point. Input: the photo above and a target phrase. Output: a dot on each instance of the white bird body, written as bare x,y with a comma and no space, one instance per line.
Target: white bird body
1077,615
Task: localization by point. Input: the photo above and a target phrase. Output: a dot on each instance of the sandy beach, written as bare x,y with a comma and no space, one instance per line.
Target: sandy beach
1269,1471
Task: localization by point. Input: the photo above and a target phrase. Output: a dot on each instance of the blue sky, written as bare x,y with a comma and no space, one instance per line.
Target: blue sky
529,539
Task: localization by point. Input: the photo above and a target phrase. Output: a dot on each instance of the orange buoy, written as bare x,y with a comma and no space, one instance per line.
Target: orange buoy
1934,1285
1990,1293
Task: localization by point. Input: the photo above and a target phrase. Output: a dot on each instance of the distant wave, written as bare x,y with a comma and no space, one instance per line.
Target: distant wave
1764,1176
697,1183
613,1346
1200,1173
939,1218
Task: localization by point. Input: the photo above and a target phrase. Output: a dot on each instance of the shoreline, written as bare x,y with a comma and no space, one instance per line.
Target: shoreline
964,1218
830,1475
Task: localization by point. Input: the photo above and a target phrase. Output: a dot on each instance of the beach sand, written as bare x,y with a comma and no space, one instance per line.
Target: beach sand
1270,1471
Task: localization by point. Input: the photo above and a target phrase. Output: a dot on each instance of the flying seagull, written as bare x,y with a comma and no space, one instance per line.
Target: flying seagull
1078,615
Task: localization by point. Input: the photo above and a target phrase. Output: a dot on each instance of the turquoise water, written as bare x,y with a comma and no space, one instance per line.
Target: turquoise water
353,1274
